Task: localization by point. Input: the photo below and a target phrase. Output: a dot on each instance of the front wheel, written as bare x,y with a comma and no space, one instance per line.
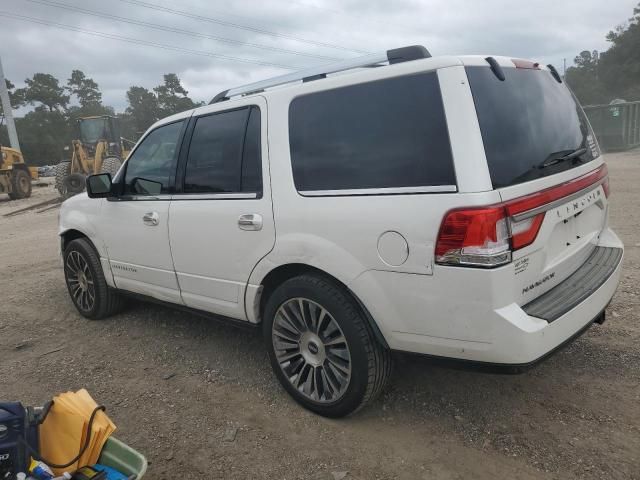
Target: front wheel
86,283
322,348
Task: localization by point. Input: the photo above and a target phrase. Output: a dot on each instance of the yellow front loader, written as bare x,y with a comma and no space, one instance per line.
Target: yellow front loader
98,149
15,176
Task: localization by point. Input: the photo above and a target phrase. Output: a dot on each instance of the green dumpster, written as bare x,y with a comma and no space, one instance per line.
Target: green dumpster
616,126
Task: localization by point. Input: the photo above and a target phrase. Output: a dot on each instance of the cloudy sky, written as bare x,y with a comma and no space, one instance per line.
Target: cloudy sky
214,44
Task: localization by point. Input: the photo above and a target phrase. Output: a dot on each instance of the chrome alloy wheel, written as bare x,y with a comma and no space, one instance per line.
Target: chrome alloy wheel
311,350
80,281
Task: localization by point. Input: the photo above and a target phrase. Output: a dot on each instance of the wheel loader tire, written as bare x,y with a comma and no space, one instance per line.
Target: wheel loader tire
111,165
20,185
63,169
75,184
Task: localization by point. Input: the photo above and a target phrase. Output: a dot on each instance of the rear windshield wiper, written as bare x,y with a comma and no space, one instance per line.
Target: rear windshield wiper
562,156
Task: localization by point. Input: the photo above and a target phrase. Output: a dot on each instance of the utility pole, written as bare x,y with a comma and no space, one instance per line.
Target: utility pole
8,112
564,67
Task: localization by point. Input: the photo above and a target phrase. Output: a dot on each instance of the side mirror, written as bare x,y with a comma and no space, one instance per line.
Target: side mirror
99,186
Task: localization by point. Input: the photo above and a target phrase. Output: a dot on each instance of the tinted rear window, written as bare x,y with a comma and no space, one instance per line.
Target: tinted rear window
384,134
527,120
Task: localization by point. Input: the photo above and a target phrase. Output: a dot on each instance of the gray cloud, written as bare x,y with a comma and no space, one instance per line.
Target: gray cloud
546,30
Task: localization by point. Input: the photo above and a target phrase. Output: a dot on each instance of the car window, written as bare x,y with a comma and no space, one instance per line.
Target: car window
154,160
384,134
251,156
224,153
527,120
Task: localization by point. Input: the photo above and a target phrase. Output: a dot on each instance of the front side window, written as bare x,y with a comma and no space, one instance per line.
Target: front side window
224,153
153,163
389,133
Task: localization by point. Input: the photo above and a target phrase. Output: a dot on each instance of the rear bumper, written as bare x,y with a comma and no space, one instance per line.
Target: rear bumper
578,287
469,329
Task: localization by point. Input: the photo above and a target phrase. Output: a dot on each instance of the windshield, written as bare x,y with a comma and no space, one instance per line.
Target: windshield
529,122
93,129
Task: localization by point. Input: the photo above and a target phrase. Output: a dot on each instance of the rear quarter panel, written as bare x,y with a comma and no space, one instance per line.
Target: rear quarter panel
340,234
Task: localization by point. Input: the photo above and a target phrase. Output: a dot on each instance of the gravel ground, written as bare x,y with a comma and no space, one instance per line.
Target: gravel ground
199,399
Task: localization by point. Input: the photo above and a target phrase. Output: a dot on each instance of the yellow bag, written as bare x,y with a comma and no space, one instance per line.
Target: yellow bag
73,432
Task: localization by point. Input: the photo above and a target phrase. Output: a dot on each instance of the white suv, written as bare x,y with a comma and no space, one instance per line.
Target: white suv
454,207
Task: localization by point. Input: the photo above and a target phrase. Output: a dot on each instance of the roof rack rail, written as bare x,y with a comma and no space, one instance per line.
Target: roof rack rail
396,55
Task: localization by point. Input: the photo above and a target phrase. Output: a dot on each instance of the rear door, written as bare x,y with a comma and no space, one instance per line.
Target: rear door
540,149
221,219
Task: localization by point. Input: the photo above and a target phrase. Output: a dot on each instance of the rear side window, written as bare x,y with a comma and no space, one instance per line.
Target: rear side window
386,134
529,120
224,153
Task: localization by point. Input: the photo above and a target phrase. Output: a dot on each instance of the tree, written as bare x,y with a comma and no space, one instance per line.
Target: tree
43,136
620,65
615,73
85,89
172,96
15,97
584,78
143,108
44,89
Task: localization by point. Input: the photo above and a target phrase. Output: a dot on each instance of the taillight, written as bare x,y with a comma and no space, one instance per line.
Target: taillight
475,237
525,231
486,236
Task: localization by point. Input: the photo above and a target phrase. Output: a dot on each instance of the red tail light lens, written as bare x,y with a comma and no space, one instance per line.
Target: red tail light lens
474,236
487,236
524,232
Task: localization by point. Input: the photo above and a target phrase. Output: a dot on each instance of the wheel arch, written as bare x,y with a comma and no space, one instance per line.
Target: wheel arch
71,234
282,273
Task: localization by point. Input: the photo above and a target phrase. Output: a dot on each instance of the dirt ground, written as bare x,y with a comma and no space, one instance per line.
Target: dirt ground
199,399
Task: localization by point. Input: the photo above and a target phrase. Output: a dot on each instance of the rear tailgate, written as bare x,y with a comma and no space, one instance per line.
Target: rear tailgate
545,163
569,232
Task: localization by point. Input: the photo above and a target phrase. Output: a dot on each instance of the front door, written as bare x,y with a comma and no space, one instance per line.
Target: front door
135,224
221,219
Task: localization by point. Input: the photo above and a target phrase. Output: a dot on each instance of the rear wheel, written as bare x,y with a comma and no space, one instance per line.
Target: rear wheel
20,184
86,283
63,170
321,347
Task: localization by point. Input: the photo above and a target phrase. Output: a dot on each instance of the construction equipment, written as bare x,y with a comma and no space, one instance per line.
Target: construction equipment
15,176
97,149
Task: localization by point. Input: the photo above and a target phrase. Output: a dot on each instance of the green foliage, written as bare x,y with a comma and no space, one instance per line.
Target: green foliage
146,107
43,136
51,125
15,97
600,78
143,109
45,91
172,97
85,89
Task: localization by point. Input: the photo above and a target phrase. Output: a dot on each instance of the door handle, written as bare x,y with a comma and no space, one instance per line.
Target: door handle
250,221
151,219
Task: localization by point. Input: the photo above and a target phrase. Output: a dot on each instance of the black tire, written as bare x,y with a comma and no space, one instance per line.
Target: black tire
370,362
107,301
110,165
20,185
74,184
63,170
